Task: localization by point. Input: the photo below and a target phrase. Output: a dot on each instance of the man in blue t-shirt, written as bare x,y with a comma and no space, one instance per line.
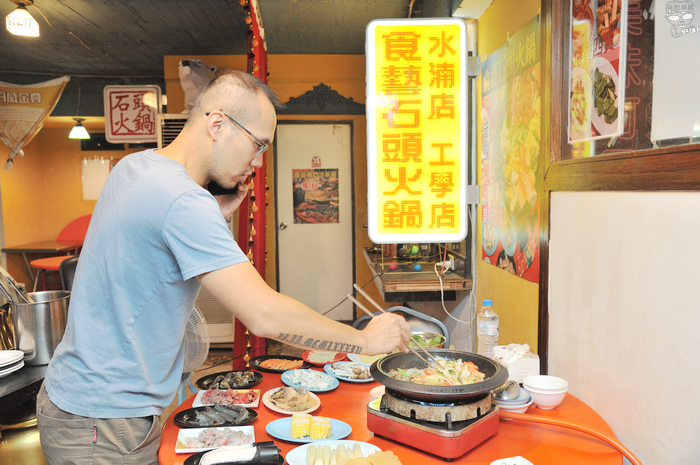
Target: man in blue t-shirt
156,237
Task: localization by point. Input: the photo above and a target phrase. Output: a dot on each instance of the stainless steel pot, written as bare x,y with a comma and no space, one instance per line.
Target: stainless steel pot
496,375
39,325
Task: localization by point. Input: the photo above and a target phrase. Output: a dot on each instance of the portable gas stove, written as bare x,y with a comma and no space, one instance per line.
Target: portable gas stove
447,430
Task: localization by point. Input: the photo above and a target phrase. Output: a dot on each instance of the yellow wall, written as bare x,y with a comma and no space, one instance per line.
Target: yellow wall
515,299
42,192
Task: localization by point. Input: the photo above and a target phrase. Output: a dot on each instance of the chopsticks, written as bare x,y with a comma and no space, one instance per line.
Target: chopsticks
369,299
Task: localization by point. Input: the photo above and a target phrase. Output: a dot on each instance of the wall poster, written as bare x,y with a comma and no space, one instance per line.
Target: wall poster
597,70
510,130
315,196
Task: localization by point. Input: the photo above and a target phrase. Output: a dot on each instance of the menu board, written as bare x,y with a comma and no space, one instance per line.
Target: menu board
597,69
417,130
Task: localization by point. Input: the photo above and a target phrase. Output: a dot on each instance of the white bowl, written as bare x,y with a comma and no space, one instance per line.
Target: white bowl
545,383
521,408
547,400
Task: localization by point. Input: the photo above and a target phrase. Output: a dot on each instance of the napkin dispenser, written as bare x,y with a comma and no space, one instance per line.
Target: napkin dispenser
519,361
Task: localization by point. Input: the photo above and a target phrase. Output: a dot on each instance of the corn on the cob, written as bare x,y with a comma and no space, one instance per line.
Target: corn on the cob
300,425
320,428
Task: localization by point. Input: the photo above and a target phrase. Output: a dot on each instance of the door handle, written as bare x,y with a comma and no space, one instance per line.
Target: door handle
283,226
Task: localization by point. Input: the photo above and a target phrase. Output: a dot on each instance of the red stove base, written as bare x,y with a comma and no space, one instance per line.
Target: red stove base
448,444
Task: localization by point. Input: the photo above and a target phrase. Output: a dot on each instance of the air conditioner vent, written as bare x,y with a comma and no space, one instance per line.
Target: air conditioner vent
169,126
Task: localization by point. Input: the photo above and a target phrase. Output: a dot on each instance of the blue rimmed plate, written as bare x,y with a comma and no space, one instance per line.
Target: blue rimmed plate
281,429
313,377
339,374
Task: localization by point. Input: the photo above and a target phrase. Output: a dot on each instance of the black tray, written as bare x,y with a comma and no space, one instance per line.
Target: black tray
185,419
204,382
255,362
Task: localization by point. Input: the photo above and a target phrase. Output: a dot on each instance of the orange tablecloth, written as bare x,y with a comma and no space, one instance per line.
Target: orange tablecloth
540,444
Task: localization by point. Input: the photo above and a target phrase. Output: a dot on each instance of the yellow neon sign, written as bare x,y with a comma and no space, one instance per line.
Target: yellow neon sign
416,120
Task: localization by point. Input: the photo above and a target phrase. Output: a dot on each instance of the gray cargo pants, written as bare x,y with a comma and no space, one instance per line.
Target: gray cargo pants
68,439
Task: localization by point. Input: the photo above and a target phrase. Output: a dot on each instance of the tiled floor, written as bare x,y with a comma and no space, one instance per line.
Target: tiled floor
219,359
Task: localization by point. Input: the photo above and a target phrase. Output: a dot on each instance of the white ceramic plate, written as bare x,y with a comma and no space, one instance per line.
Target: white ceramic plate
197,402
281,428
368,359
329,370
512,461
186,433
268,403
12,368
378,391
297,456
331,379
8,357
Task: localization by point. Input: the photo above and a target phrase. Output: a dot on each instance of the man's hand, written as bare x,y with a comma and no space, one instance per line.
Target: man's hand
386,332
230,203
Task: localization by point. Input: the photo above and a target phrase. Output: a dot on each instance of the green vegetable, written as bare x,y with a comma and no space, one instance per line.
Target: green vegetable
605,96
433,341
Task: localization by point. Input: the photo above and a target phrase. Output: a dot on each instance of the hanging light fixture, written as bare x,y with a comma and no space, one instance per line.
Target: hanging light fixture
79,131
20,22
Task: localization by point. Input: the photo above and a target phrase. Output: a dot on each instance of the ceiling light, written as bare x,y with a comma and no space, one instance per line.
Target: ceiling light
20,22
79,131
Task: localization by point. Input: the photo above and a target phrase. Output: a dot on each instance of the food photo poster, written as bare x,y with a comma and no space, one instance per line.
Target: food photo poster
597,70
510,153
315,196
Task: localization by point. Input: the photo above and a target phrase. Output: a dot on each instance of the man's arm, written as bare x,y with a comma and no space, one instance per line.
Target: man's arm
267,313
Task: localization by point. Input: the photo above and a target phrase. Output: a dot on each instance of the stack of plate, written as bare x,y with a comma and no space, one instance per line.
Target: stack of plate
518,405
10,361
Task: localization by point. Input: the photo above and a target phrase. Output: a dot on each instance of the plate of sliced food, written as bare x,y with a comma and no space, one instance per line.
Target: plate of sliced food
278,363
312,380
215,415
353,372
244,397
321,357
191,440
288,400
229,380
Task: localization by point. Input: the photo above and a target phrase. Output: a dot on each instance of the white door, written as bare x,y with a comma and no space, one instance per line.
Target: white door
314,212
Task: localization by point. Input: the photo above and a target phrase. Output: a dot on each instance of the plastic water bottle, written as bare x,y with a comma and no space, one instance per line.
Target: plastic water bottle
487,329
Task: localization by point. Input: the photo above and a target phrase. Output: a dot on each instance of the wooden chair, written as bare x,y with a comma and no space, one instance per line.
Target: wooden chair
74,232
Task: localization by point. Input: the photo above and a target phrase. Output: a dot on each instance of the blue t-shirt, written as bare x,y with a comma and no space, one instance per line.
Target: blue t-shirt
152,232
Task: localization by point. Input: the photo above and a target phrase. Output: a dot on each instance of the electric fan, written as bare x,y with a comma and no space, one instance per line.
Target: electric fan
196,346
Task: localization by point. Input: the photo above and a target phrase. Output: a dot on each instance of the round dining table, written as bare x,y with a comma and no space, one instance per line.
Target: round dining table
537,442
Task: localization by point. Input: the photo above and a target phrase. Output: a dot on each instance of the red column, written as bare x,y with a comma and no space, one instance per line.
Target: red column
251,214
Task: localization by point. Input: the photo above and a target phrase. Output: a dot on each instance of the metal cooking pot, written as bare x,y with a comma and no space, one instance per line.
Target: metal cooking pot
496,375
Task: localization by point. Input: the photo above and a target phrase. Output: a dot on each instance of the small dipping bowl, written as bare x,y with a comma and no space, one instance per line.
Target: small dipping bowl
517,405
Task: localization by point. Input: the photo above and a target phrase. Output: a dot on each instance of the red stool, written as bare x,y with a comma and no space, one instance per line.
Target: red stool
74,231
44,265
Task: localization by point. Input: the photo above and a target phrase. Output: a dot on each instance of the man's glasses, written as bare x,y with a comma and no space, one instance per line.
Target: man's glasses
262,146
